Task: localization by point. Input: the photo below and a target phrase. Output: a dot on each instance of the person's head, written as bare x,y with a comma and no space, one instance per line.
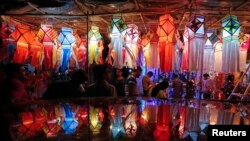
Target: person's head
102,72
230,78
137,71
175,75
79,77
118,73
14,71
163,85
205,76
150,74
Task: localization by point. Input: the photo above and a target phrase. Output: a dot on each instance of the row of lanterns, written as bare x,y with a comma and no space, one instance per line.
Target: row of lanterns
199,47
190,120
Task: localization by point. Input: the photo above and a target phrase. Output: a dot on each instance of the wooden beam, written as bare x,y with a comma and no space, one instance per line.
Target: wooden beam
82,7
241,5
142,19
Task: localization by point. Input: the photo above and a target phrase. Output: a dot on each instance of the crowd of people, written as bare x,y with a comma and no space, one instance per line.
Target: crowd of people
21,87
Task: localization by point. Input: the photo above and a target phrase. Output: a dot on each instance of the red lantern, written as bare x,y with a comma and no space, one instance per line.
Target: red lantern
165,32
82,116
36,53
24,37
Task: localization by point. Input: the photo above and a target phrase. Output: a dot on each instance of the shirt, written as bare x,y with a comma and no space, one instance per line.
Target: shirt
101,89
177,85
207,85
131,86
146,83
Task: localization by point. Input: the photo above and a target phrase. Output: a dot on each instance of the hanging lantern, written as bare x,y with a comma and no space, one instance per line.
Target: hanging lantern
196,42
165,31
208,58
218,56
82,52
73,63
36,53
162,131
70,123
230,49
117,32
131,48
95,119
94,50
5,31
178,53
150,48
67,40
24,37
47,35
130,120
117,129
184,63
245,43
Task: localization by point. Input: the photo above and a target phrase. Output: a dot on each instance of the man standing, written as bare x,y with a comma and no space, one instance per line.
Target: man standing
147,83
131,83
177,85
207,86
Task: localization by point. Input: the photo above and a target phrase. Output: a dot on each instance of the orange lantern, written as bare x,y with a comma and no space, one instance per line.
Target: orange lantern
24,37
150,48
36,53
165,31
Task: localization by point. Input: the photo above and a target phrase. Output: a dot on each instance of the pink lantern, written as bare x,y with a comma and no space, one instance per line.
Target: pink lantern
165,31
243,51
184,64
131,39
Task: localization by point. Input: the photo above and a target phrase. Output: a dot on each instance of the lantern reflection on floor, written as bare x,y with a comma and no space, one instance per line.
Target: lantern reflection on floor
115,113
162,132
130,120
95,119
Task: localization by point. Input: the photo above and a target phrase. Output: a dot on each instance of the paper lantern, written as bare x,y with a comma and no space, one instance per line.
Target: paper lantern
218,56
94,52
24,37
5,31
131,48
95,119
230,49
184,64
70,123
73,63
196,42
245,43
165,31
208,58
150,48
178,53
162,131
36,53
47,35
117,32
82,53
115,113
67,40
130,120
